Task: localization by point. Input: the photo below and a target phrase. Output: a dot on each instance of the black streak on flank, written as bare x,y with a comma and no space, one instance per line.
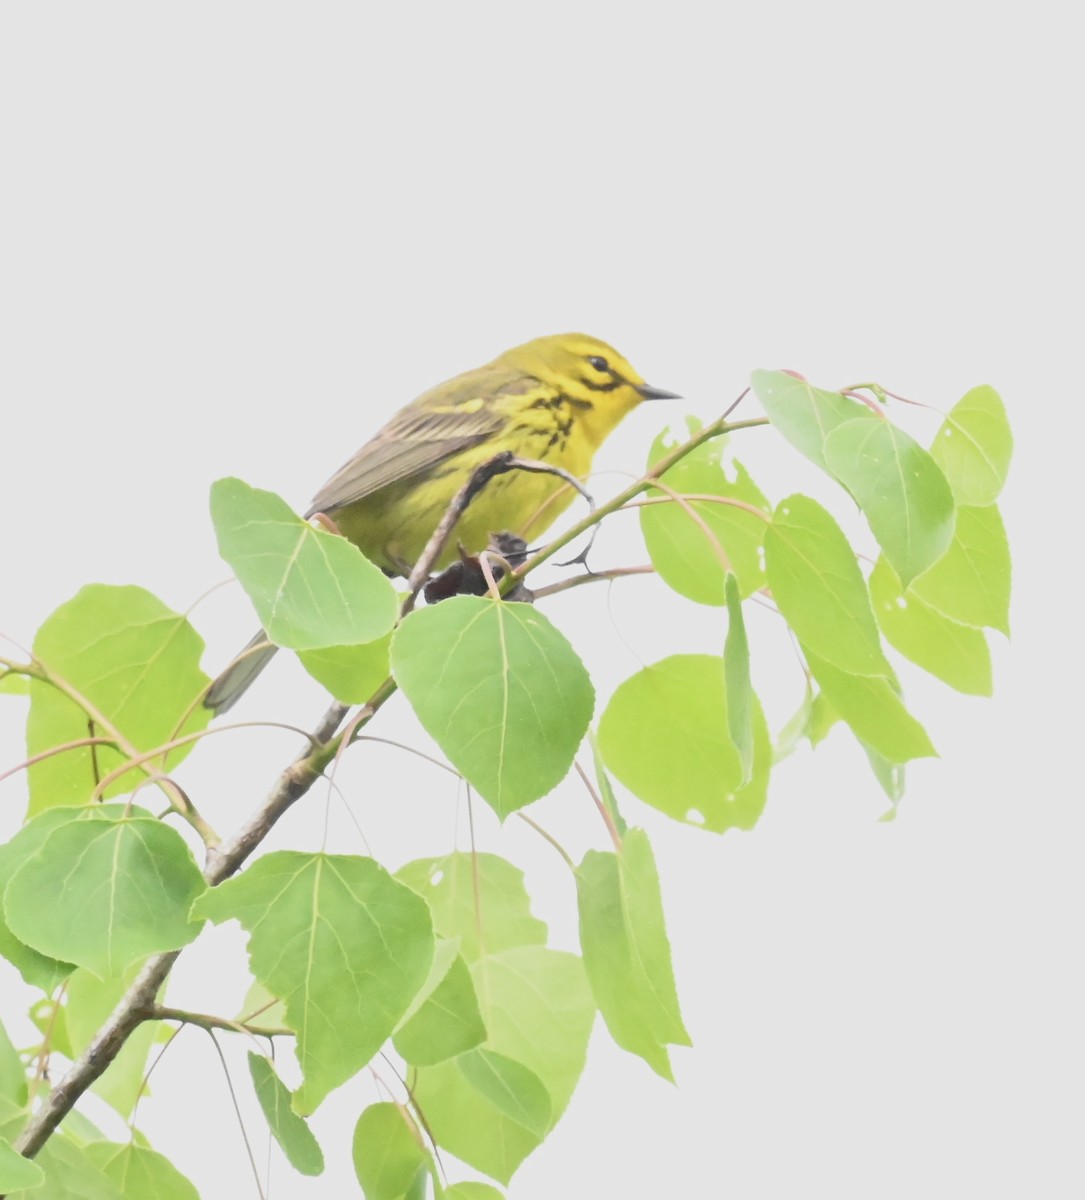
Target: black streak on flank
556,402
560,435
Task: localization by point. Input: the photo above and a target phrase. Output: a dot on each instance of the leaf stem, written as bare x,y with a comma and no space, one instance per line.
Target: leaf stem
548,837
563,585
237,1110
177,798
700,497
604,812
161,1012
138,761
37,758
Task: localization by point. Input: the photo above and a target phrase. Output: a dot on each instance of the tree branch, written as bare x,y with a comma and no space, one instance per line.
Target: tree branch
224,859
138,1004
132,1011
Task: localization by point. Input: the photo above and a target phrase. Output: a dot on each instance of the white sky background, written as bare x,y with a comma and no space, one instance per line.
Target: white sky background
234,241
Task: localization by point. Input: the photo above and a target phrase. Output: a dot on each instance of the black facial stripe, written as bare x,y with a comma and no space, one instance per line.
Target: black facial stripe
609,386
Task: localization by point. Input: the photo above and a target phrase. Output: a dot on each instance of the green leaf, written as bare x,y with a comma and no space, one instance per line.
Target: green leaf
736,674
89,1003
804,414
80,1129
513,1089
388,1152
899,487
50,1019
970,583
351,673
950,651
139,1172
873,709
974,447
137,662
538,1011
813,720
12,684
69,1175
37,969
17,1172
626,952
478,898
796,728
310,588
467,1125
472,1191
819,589
105,891
664,734
890,776
501,692
687,558
13,1085
344,944
444,1018
46,973
822,719
12,1118
287,1128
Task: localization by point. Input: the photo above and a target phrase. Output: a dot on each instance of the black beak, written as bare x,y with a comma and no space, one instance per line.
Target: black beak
654,393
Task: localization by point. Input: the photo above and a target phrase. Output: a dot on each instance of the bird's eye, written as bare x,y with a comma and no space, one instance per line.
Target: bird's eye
600,364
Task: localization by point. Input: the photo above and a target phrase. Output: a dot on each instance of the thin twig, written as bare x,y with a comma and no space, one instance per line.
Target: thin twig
563,585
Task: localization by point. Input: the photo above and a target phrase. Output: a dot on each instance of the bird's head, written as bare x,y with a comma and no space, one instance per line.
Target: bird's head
600,384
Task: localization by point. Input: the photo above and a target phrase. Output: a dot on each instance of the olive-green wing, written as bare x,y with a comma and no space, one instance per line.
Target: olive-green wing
452,417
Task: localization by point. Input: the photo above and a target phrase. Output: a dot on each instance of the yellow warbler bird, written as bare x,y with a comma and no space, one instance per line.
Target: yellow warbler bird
553,399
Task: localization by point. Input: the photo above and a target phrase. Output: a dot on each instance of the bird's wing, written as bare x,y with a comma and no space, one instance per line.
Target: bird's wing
452,417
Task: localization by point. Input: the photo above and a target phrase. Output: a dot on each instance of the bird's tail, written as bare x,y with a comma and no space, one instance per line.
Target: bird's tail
229,687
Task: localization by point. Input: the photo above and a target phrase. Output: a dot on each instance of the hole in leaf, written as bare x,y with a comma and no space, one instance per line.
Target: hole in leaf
695,817
436,878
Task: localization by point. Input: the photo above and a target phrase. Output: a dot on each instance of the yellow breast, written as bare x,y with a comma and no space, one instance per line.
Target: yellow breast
393,525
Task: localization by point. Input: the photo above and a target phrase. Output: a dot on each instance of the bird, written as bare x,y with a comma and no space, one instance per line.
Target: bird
553,399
